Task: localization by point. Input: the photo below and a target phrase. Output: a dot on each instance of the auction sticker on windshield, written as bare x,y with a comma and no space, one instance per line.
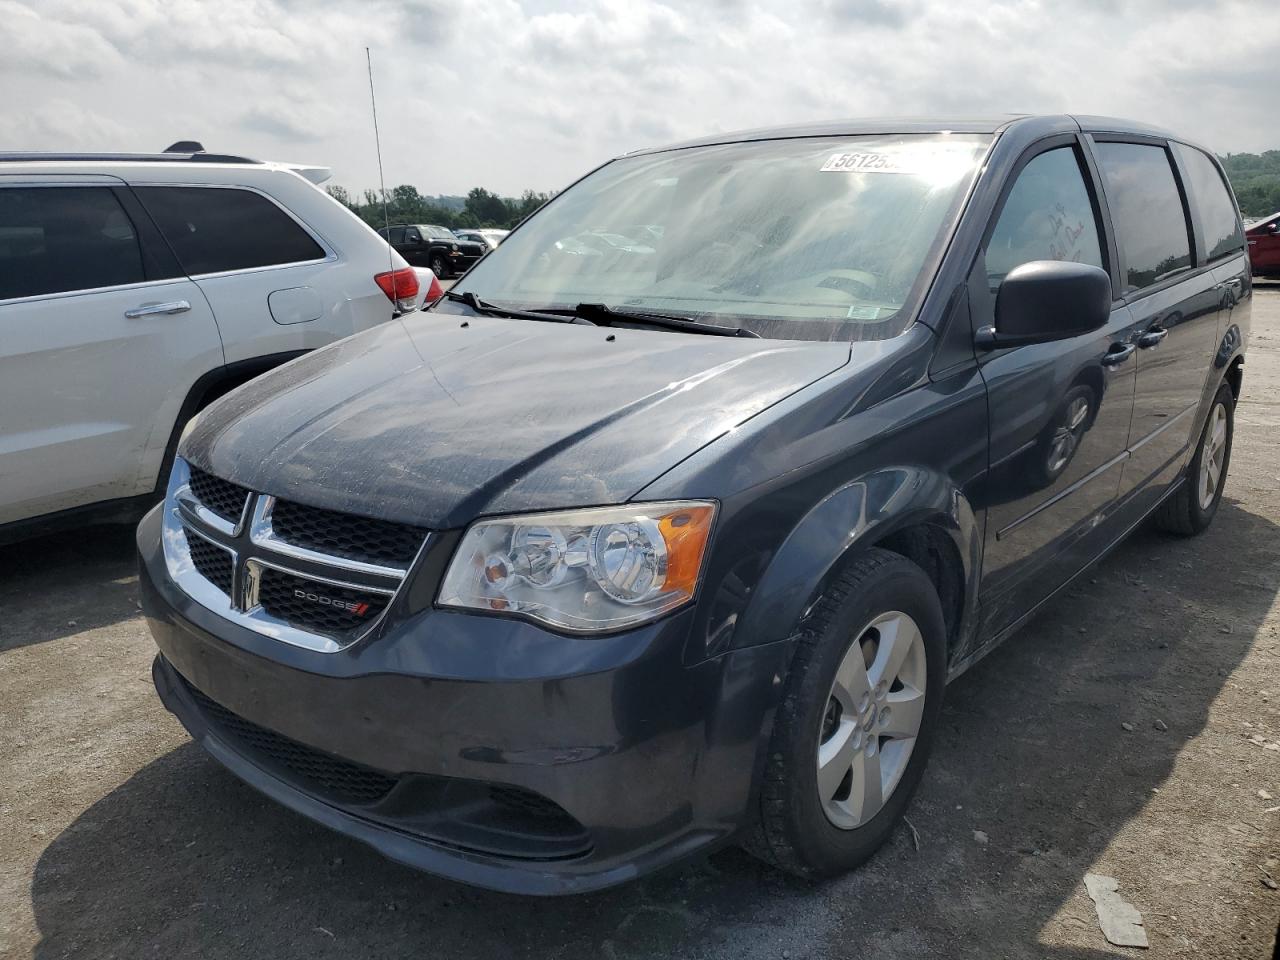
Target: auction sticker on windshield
936,162
866,162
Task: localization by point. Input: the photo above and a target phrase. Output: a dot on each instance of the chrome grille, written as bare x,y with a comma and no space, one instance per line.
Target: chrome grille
318,579
222,497
212,562
346,535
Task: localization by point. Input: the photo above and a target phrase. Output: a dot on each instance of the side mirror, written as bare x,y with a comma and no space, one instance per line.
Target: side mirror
1273,227
1048,300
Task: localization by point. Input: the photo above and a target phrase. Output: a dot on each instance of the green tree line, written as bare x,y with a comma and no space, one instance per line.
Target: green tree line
1256,180
406,205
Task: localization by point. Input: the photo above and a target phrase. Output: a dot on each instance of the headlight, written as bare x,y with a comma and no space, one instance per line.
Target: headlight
583,570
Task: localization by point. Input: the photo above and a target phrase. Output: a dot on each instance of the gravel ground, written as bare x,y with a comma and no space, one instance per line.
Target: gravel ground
121,839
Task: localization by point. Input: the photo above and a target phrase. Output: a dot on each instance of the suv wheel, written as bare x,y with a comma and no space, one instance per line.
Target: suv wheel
439,267
852,734
1192,508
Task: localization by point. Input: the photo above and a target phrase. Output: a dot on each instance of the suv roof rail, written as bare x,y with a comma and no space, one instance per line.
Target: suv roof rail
194,156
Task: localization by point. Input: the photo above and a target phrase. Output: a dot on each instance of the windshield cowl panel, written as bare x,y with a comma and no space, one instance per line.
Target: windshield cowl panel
801,239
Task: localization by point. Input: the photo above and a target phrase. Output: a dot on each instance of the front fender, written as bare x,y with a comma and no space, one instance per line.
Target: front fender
859,514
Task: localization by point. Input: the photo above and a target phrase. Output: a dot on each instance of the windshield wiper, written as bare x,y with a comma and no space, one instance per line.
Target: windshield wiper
493,310
605,315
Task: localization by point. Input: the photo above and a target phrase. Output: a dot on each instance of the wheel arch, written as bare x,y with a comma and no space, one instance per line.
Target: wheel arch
1235,375
909,510
209,387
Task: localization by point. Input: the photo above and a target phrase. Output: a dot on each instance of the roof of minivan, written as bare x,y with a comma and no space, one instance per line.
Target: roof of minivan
894,125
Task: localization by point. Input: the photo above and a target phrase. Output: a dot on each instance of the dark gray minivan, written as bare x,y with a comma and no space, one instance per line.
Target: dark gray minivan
670,524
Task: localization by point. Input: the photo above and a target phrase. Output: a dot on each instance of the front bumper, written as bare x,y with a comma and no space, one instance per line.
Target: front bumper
461,262
624,757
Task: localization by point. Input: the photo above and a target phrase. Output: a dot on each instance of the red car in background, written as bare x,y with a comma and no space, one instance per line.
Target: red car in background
1264,246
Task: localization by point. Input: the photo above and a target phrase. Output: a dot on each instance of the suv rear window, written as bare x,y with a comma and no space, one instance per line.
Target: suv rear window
1211,205
1146,209
215,229
58,239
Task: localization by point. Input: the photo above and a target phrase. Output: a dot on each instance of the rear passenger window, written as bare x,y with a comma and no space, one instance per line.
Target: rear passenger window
1211,205
1047,216
1146,209
214,229
58,239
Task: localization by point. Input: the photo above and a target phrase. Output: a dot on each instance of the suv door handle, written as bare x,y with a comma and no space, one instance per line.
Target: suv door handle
158,309
1118,354
1152,337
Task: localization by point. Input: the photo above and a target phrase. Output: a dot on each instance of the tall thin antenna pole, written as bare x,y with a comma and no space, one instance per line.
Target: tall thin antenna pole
377,141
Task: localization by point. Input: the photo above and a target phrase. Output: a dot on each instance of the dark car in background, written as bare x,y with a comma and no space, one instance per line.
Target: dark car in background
425,245
618,556
1264,246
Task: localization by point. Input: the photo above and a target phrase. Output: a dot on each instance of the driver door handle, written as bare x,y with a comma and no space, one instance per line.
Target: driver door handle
1152,337
1118,354
158,309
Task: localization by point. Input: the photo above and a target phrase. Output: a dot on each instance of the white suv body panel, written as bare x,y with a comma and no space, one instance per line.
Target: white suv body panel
90,398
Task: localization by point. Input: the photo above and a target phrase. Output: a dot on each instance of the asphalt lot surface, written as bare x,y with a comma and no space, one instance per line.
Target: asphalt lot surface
121,839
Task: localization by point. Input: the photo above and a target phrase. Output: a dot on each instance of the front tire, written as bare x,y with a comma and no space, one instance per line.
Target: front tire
1193,507
852,734
439,268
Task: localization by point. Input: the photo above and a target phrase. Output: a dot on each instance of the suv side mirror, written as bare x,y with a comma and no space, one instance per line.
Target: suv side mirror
1048,300
1273,227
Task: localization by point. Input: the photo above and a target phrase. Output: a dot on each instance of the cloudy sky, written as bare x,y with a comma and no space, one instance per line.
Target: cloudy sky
515,94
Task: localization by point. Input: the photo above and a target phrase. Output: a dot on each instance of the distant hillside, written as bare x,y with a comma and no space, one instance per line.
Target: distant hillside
1256,181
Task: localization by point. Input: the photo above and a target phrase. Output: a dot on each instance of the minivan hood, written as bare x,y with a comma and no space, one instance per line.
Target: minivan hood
435,419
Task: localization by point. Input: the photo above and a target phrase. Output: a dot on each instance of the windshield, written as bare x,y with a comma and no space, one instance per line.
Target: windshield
815,239
438,233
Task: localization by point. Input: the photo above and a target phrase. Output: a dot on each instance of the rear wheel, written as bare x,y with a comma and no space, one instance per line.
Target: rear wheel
852,734
1192,508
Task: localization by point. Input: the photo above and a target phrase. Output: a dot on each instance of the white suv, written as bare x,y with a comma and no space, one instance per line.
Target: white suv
135,289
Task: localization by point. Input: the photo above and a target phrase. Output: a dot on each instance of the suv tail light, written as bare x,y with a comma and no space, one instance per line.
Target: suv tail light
400,286
435,291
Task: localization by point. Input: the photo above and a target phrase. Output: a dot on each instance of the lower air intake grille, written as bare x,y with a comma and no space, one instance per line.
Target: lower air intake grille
223,497
346,535
211,562
527,802
312,605
340,780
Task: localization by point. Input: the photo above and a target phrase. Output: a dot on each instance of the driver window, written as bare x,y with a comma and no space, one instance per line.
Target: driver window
412,236
1047,216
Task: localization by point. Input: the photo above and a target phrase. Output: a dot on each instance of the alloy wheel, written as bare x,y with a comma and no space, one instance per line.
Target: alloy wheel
873,717
1213,456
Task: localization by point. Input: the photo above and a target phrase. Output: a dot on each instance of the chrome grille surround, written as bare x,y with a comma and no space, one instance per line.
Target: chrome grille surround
254,549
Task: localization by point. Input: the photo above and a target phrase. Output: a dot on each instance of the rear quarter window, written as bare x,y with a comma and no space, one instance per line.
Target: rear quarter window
1211,205
216,229
1146,209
